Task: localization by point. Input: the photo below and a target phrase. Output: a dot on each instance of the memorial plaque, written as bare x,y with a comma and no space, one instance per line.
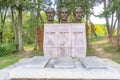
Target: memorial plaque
92,63
64,62
64,39
36,63
50,39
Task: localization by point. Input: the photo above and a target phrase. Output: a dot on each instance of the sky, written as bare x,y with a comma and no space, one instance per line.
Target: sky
98,10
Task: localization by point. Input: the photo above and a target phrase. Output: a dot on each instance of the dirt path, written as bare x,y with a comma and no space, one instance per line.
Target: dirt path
100,52
24,54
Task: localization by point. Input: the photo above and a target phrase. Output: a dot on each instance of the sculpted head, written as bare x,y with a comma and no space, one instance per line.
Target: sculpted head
50,13
78,13
63,14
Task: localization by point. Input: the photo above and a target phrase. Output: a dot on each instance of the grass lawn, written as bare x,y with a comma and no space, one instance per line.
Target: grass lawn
8,60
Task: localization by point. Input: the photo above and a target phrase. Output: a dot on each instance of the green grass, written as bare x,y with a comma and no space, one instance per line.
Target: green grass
90,51
37,53
8,60
117,60
29,47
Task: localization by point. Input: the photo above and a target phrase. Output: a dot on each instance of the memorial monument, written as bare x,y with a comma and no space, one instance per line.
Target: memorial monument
64,54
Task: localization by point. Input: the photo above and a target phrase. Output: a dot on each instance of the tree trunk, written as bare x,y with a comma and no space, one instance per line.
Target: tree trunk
14,26
20,47
87,28
1,37
107,19
93,28
39,17
35,47
118,30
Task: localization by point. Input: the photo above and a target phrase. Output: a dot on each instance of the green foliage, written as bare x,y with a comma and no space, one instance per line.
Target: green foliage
118,50
29,25
8,48
8,34
90,51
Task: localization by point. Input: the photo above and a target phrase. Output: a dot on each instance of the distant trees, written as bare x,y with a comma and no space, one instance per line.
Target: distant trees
33,8
3,13
112,13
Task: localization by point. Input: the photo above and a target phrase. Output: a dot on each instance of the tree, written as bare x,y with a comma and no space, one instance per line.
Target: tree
112,11
14,24
3,12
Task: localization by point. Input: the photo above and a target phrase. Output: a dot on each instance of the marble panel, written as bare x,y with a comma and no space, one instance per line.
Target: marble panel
79,52
78,39
64,62
36,62
78,28
64,39
93,63
50,39
63,51
50,52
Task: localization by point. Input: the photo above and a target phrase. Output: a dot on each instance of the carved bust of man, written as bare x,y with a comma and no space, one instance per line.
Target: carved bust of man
50,13
63,14
78,13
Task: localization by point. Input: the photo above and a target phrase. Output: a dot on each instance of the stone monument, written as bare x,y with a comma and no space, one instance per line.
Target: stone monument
50,13
78,13
63,14
66,39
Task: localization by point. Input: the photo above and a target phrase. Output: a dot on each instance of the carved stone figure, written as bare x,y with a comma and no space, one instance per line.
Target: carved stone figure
50,13
78,13
63,14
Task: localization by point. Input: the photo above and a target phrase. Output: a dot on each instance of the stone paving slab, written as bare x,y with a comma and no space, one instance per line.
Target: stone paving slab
4,73
36,62
63,63
92,63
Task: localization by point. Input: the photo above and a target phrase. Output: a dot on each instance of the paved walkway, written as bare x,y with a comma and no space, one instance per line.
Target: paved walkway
4,73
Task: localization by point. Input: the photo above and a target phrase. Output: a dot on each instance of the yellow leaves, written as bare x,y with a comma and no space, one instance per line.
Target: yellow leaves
100,30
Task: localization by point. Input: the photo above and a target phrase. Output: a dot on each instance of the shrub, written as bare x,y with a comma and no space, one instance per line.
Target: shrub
118,50
8,48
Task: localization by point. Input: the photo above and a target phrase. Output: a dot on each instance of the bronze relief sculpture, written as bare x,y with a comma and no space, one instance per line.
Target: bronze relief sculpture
50,13
63,14
78,13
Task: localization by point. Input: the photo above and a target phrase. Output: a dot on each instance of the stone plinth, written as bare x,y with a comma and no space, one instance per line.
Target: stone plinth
77,73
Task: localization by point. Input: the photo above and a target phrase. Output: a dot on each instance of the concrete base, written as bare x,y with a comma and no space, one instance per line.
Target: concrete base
77,73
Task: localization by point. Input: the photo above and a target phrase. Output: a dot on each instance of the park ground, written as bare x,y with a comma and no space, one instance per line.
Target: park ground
99,47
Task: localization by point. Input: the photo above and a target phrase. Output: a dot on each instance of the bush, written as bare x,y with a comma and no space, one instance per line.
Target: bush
8,48
118,50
